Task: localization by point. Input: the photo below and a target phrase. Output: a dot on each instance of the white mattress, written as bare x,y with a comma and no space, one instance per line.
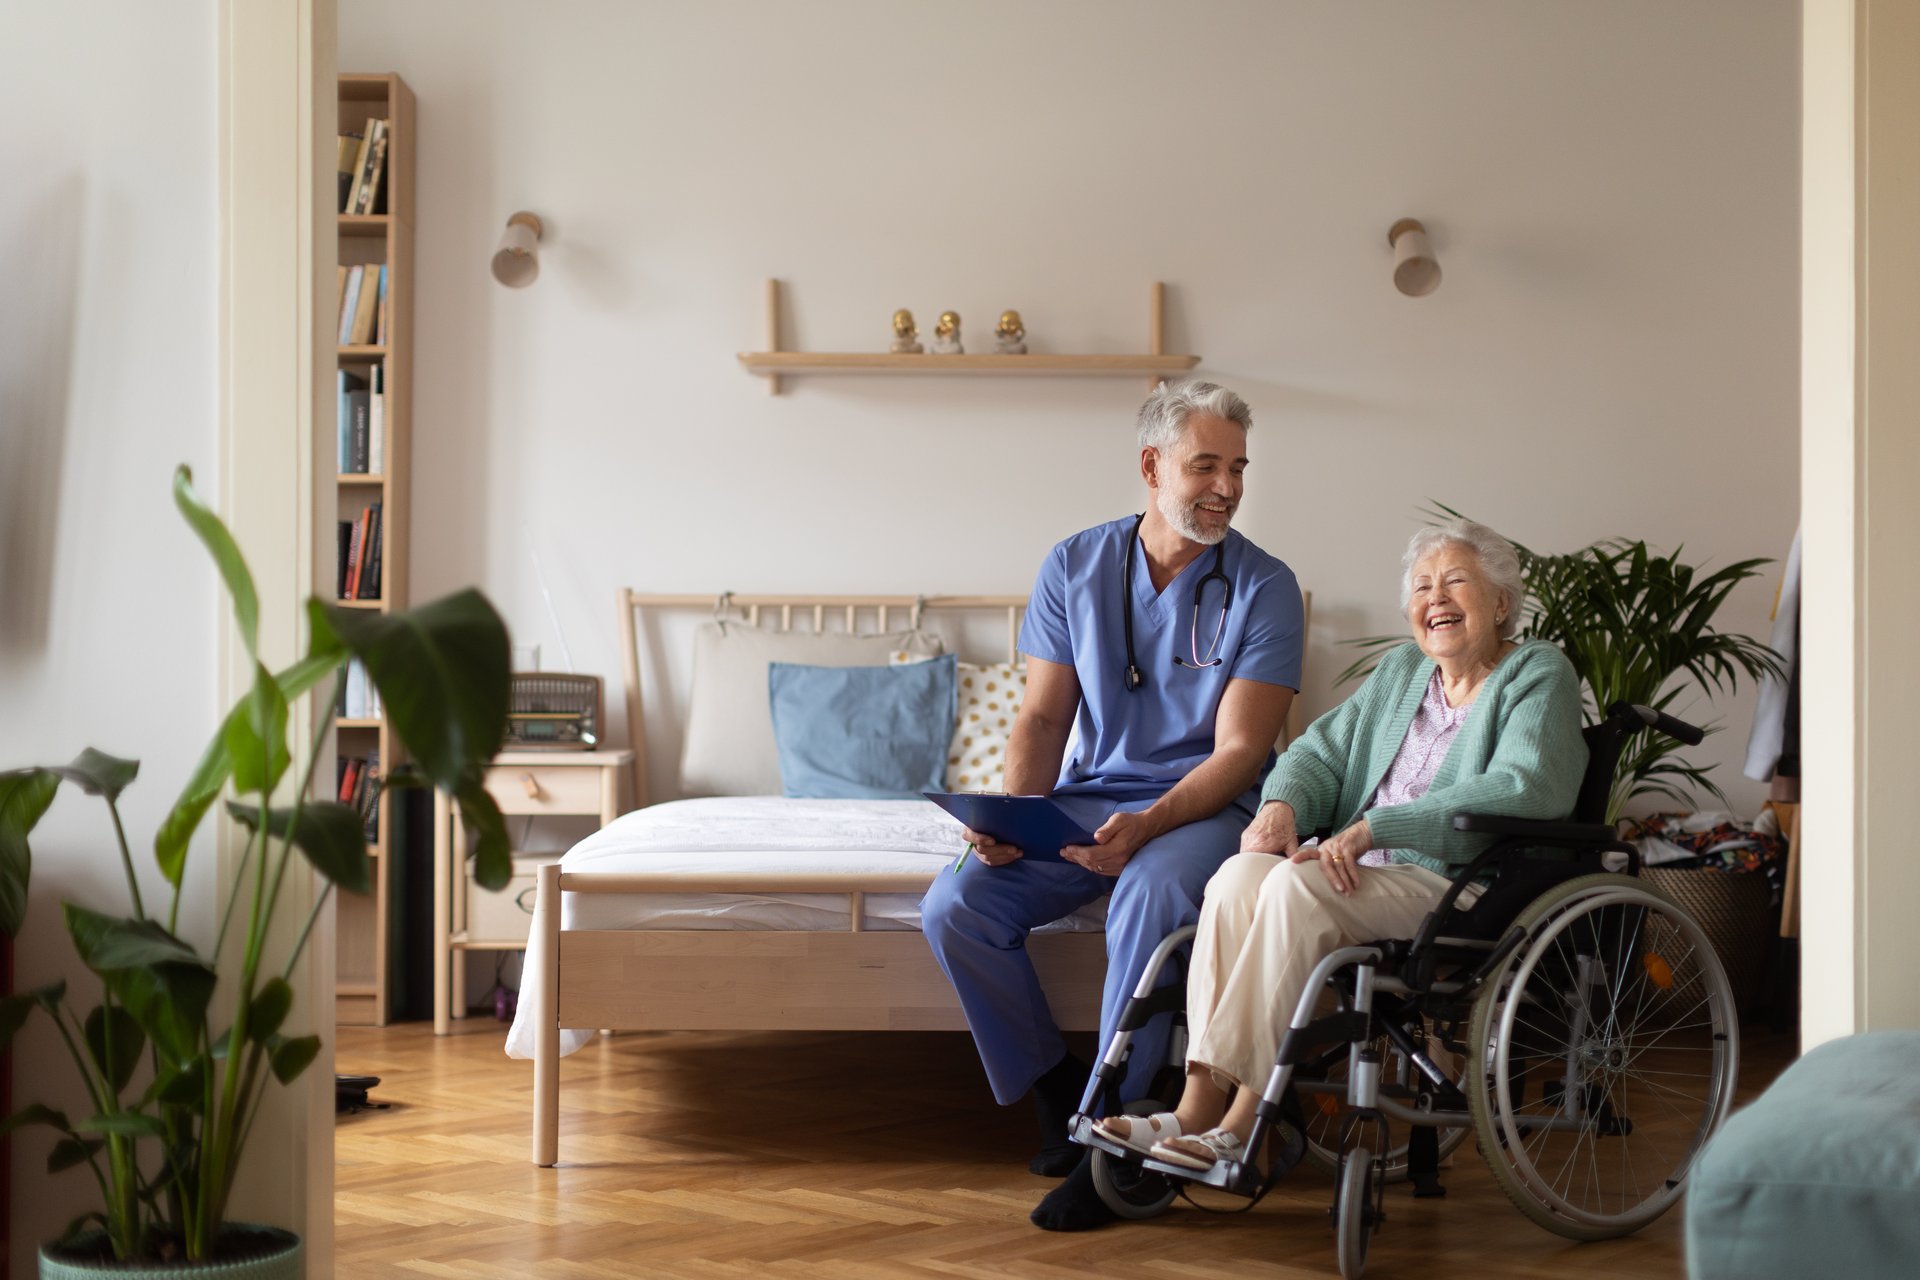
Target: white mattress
747,833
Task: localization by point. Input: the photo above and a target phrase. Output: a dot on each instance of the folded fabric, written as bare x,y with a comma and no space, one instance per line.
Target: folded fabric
862,733
988,703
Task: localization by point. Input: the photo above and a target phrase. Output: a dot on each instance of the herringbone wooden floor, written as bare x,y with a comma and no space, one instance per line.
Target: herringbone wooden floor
831,1155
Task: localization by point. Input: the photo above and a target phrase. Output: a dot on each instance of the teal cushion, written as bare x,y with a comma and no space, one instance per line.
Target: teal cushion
1821,1175
862,733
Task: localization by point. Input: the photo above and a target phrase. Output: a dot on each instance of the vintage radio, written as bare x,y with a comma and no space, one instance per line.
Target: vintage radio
549,711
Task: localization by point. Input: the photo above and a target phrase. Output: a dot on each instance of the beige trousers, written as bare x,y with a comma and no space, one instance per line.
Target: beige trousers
1264,924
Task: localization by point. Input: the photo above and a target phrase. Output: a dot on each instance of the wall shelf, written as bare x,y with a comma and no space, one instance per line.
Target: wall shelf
1154,364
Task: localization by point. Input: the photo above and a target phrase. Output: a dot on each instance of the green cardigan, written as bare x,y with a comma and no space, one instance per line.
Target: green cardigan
1519,755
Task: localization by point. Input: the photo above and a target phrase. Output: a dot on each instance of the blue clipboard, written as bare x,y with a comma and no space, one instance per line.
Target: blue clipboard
1036,825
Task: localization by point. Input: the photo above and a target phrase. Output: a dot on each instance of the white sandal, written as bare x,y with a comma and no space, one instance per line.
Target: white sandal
1140,1133
1200,1151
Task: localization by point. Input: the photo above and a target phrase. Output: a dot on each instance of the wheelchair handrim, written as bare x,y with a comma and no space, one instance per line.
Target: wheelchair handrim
1724,1066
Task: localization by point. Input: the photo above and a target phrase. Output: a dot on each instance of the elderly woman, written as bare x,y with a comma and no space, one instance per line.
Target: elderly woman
1461,720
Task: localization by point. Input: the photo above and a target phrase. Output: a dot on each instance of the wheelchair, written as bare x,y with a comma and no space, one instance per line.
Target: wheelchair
1592,1024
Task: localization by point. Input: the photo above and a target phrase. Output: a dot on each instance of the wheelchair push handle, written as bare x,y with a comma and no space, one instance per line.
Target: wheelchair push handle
1656,719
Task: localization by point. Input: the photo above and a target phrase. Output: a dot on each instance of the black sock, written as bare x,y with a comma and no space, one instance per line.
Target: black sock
1074,1205
1056,1097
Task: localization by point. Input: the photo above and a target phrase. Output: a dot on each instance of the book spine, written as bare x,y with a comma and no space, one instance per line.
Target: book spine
346,147
346,559
380,323
357,404
359,169
350,303
377,421
362,332
370,174
343,422
353,557
370,576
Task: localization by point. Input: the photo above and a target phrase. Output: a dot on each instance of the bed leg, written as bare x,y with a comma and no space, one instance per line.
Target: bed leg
546,1019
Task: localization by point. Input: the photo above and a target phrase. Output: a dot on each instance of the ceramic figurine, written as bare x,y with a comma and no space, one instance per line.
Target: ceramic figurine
946,335
904,334
1008,335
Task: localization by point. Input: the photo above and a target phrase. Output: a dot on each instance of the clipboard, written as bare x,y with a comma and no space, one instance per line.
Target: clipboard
1036,825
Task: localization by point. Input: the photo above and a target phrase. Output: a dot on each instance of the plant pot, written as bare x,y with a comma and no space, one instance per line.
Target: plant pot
244,1252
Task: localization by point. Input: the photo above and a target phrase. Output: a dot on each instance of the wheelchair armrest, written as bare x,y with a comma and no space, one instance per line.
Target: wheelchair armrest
1583,834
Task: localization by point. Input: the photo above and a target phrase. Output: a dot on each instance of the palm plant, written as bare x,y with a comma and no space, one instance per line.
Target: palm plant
165,1147
1638,627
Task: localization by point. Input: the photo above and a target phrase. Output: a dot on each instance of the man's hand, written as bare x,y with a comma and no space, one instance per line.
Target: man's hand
1117,840
1271,831
991,851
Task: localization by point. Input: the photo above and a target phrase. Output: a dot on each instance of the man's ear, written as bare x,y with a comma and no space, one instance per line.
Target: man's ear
1150,466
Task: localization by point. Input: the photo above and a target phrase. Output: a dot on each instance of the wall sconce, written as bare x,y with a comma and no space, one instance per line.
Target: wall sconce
1415,273
516,262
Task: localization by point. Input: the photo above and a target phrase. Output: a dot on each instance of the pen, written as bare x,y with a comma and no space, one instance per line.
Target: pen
961,860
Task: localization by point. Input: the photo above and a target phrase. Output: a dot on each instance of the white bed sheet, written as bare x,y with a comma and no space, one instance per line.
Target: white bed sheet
758,833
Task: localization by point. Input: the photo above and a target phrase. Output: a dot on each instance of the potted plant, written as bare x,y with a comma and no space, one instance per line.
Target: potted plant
174,1055
1638,627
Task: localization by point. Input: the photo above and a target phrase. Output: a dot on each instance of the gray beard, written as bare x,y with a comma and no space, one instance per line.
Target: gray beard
1182,520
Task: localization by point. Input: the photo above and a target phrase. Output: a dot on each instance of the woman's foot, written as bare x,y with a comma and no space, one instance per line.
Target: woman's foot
1201,1151
1140,1133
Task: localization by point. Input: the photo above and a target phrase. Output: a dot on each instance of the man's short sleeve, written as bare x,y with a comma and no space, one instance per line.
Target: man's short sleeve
1270,652
1044,633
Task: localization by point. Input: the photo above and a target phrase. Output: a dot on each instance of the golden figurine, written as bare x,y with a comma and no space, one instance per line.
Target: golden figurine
946,335
904,334
1008,335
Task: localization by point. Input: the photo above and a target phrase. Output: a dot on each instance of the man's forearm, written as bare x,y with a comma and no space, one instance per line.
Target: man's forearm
1034,752
1225,777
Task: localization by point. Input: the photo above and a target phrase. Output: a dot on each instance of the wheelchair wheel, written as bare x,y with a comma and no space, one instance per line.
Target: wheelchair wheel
1324,1110
1355,1212
1597,1077
1129,1190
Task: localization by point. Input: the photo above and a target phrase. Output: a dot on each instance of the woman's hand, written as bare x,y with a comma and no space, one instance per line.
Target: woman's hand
991,851
1271,831
1340,857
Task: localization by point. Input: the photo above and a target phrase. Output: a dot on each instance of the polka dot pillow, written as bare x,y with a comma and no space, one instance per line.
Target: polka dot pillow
989,698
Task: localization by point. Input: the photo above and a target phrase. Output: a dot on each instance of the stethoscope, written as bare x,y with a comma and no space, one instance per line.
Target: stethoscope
1133,679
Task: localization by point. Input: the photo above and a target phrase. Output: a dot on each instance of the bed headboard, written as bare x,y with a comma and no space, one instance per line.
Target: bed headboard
851,614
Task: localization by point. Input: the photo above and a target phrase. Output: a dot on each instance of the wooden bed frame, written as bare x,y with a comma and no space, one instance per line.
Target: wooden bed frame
770,980
764,980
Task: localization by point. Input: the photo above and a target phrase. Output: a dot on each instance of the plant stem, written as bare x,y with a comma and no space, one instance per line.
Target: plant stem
306,929
322,727
226,917
126,860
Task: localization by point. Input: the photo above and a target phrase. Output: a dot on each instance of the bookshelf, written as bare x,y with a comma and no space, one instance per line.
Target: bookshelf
380,237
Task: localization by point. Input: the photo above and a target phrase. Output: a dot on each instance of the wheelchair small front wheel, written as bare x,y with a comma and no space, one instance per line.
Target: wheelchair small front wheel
1129,1190
1354,1212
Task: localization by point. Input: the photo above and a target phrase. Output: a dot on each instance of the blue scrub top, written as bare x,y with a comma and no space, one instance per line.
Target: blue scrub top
1137,745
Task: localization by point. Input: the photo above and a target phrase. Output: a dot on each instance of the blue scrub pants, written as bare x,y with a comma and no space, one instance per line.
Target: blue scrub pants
977,922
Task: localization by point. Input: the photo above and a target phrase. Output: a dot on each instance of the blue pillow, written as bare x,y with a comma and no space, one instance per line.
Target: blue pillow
862,733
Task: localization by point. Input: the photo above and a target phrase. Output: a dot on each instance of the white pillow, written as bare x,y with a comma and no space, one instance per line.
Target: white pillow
729,748
989,699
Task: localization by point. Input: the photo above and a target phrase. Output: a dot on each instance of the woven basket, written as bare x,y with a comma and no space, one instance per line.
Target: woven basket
1734,912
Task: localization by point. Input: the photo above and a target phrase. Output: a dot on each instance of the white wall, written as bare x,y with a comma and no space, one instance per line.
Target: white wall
1612,190
108,619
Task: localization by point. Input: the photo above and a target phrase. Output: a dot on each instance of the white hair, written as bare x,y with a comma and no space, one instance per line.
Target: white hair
1164,417
1498,561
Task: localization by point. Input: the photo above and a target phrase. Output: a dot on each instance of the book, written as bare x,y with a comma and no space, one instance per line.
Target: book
362,332
346,382
370,554
346,559
377,418
350,302
353,555
380,320
346,151
358,411
359,169
369,176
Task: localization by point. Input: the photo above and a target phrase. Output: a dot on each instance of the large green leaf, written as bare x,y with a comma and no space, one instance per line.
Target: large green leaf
269,1009
331,835
170,843
291,1057
69,1152
107,943
226,555
99,774
115,1041
442,671
24,797
133,1124
492,852
183,1084
14,1009
155,977
35,1113
257,740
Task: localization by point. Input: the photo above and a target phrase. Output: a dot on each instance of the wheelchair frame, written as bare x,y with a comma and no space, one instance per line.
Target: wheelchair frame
1389,990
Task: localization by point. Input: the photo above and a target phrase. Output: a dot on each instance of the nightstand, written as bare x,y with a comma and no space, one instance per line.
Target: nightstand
469,918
